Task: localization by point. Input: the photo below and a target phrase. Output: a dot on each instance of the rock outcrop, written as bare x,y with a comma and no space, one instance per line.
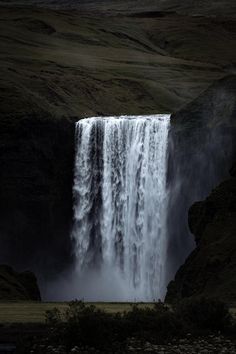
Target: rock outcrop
210,269
202,150
18,286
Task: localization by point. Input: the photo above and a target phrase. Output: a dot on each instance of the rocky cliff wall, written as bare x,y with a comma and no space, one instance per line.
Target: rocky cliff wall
202,149
210,269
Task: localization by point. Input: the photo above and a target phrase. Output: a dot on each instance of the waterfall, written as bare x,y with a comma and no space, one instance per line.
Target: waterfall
120,207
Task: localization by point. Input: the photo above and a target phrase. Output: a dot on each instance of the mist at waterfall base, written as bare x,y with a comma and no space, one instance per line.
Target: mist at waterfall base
120,210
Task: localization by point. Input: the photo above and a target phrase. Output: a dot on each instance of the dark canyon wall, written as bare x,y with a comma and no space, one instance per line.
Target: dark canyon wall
36,158
202,149
210,269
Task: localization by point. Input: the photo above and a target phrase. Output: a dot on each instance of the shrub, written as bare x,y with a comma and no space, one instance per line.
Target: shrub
157,324
53,317
204,314
87,325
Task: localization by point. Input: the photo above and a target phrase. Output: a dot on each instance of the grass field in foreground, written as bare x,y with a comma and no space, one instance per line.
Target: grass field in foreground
34,312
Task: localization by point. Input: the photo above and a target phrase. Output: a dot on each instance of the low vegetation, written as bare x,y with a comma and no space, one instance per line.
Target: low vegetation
26,312
81,325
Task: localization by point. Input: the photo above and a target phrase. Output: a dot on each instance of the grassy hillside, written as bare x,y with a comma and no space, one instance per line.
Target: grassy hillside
189,7
69,63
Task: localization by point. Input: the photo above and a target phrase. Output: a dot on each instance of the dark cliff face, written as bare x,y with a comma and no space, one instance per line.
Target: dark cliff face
202,149
36,156
18,286
210,269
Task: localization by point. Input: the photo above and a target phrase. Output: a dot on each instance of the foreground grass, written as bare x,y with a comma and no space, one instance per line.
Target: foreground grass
34,312
99,327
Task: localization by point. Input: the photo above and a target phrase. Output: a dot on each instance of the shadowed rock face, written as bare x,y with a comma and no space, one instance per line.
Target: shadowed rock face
36,156
202,150
18,286
210,269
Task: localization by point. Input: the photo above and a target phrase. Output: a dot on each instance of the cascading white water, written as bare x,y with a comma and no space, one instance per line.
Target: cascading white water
120,207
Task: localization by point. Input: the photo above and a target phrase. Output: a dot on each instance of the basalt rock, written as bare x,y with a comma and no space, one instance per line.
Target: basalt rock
202,150
18,286
210,269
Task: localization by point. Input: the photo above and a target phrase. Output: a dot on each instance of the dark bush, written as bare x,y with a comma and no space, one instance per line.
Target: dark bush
86,325
204,314
53,316
157,324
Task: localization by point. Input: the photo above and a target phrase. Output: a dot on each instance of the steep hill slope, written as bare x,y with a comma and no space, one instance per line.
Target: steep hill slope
69,64
189,7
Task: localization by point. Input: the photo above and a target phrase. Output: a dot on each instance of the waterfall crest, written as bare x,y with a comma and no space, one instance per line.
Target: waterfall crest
120,207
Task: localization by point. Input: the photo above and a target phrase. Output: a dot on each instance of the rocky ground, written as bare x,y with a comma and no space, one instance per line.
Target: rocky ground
203,345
